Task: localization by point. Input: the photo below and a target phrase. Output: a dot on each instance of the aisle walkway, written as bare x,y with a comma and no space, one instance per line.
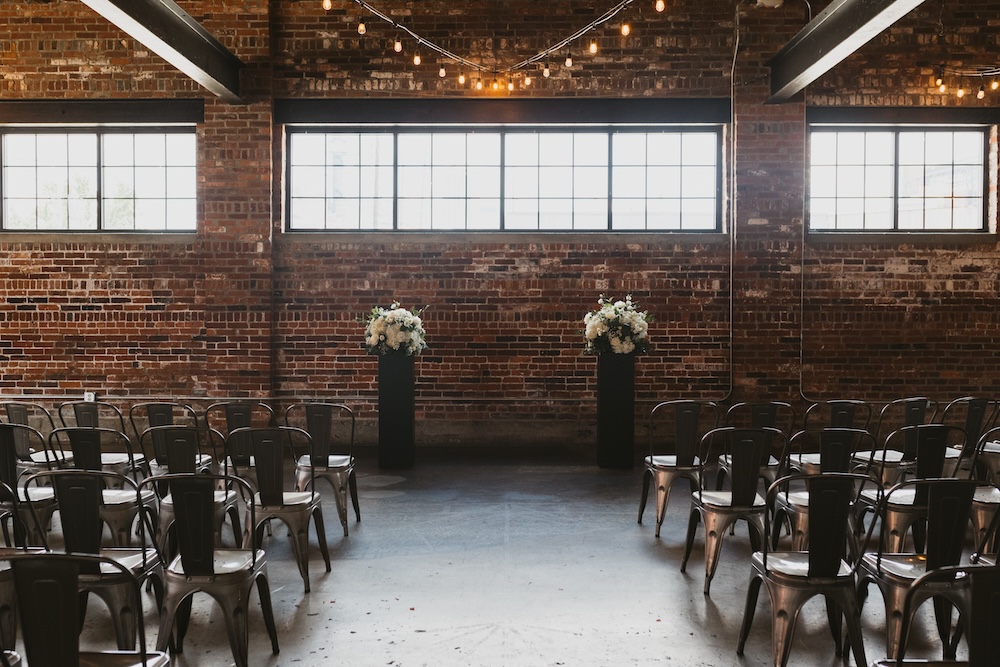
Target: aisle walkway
485,562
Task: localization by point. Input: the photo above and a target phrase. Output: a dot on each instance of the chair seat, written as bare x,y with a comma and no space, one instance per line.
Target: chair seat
901,498
123,496
669,461
794,564
224,562
899,566
39,494
992,447
727,460
724,499
221,496
808,462
878,456
131,559
987,495
47,457
123,659
201,461
794,499
288,498
332,461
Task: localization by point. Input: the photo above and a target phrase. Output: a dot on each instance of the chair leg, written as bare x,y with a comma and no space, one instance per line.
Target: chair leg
715,528
942,617
321,535
340,495
352,483
848,604
264,590
235,610
123,606
748,611
646,475
693,520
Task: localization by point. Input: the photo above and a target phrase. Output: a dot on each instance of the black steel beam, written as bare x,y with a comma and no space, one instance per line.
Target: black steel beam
837,32
172,34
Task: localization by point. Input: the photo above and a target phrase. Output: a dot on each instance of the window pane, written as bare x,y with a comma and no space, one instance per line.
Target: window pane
376,149
590,182
968,213
484,149
448,214
555,182
629,181
414,181
306,214
878,181
151,213
483,214
52,181
376,182
911,148
629,213
823,148
663,181
664,214
53,150
555,214
376,213
850,181
521,149
150,149
448,181
521,214
118,149
305,149
590,214
880,148
939,147
699,148
850,147
697,214
555,149
521,182
414,213
19,149
629,148
449,148
181,150
344,182
485,181
823,182
303,181
590,149
699,182
823,213
150,182
341,149
664,149
414,148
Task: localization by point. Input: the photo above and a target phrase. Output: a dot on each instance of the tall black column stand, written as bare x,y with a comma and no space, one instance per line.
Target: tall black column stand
396,423
616,410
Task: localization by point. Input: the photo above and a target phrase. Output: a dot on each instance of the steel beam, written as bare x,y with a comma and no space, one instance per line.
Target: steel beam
837,32
171,33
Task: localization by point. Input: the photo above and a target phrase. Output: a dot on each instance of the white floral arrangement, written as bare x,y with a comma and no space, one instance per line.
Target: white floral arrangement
394,330
617,327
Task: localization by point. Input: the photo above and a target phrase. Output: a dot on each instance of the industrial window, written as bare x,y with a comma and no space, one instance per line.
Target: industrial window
564,178
98,179
898,178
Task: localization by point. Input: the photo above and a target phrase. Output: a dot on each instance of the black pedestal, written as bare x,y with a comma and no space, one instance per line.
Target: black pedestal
616,410
396,433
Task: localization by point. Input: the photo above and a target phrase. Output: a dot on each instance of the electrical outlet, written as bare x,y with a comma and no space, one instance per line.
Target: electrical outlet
89,396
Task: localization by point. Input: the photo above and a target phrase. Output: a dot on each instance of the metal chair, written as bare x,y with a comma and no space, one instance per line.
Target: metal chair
980,588
46,505
897,414
293,508
793,577
777,415
8,596
47,582
675,427
947,502
227,575
924,447
327,423
109,450
34,454
80,495
143,416
722,509
227,416
838,413
812,452
974,415
178,448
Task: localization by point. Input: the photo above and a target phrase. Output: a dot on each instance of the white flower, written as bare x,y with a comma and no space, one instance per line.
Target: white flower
394,329
617,327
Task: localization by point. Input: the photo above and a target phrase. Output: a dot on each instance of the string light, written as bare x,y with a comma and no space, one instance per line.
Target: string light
510,85
461,78
660,5
327,5
995,85
479,84
961,92
442,73
940,78
527,80
542,56
966,74
982,93
941,87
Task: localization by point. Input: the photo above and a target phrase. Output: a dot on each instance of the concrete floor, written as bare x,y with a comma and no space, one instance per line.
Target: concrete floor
492,562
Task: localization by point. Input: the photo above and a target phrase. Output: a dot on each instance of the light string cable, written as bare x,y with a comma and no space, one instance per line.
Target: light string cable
422,41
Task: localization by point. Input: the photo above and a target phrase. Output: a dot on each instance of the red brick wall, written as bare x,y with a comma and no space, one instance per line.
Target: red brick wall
241,309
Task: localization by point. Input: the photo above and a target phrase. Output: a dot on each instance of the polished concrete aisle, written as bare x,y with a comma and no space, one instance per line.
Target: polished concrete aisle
492,562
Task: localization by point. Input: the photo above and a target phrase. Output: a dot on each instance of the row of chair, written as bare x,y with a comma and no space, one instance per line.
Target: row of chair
175,485
856,471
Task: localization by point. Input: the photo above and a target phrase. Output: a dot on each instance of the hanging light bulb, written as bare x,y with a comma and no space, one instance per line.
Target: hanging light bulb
397,45
960,92
362,28
569,60
660,5
442,73
626,29
461,78
982,93
496,86
327,5
527,79
942,87
479,83
416,58
940,78
547,72
995,85
593,46
510,85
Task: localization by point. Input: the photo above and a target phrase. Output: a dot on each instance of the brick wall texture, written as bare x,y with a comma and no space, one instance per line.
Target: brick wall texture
242,309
